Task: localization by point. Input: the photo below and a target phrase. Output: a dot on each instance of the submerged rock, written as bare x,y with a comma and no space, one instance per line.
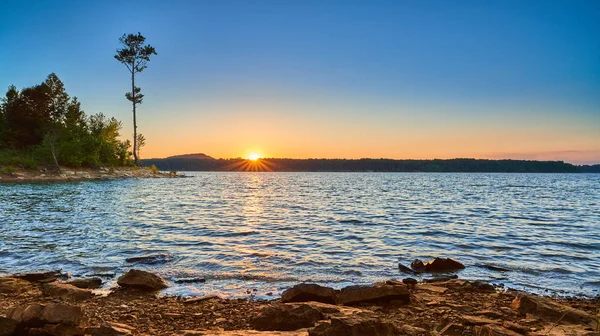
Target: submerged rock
142,280
308,292
377,294
150,259
287,317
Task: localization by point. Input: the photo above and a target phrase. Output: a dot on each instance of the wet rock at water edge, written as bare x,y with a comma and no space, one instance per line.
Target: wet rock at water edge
66,291
86,283
150,259
287,317
142,280
409,281
308,292
42,277
437,265
375,294
405,269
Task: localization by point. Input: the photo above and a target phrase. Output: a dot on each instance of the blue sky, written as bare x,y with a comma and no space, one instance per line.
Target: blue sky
399,79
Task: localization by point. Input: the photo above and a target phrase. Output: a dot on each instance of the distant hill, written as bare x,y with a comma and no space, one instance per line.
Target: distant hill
189,163
199,156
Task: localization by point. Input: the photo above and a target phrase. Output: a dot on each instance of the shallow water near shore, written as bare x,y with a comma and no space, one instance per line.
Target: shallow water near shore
251,234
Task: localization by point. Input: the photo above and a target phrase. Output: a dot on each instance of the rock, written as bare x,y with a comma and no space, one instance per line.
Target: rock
240,333
405,269
355,325
59,330
87,283
8,326
14,285
42,277
515,327
66,291
493,330
453,329
409,281
482,287
37,315
441,279
441,265
413,331
56,313
142,280
476,320
489,313
150,259
377,294
28,315
551,311
417,266
201,299
431,288
193,280
308,292
111,329
287,317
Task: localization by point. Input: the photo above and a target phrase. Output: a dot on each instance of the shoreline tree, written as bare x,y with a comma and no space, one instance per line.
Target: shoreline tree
135,55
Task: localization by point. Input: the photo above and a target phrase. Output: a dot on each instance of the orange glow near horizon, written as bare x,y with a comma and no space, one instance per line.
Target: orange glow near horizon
254,157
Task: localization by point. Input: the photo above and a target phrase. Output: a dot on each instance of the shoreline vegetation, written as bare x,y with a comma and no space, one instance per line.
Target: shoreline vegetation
201,162
49,303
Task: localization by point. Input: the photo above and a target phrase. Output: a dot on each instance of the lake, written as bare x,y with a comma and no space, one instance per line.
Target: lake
258,233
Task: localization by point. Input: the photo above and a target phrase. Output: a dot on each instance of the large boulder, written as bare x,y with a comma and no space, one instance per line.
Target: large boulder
308,292
549,310
376,294
355,325
142,280
66,291
437,265
14,285
287,317
36,314
87,283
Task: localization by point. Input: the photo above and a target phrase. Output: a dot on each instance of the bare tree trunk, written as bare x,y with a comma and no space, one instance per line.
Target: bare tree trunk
135,156
53,150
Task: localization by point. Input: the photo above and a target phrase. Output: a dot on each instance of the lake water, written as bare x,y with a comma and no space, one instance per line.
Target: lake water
258,233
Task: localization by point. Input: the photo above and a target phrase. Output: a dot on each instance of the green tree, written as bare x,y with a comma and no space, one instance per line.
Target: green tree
141,142
135,55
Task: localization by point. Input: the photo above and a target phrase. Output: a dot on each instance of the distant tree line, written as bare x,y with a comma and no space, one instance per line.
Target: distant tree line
364,165
41,124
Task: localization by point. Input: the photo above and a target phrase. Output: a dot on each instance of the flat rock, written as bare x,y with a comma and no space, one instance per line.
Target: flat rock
308,292
14,285
476,320
42,277
142,280
515,327
240,333
287,317
413,331
376,294
359,324
111,329
551,311
493,330
66,291
87,283
432,288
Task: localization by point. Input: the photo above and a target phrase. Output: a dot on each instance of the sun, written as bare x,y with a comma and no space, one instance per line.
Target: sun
253,157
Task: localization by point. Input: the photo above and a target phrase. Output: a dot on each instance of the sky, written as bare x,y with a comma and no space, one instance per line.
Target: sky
328,79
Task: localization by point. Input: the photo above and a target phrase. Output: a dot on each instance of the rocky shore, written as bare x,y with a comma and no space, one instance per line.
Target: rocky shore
50,304
84,174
